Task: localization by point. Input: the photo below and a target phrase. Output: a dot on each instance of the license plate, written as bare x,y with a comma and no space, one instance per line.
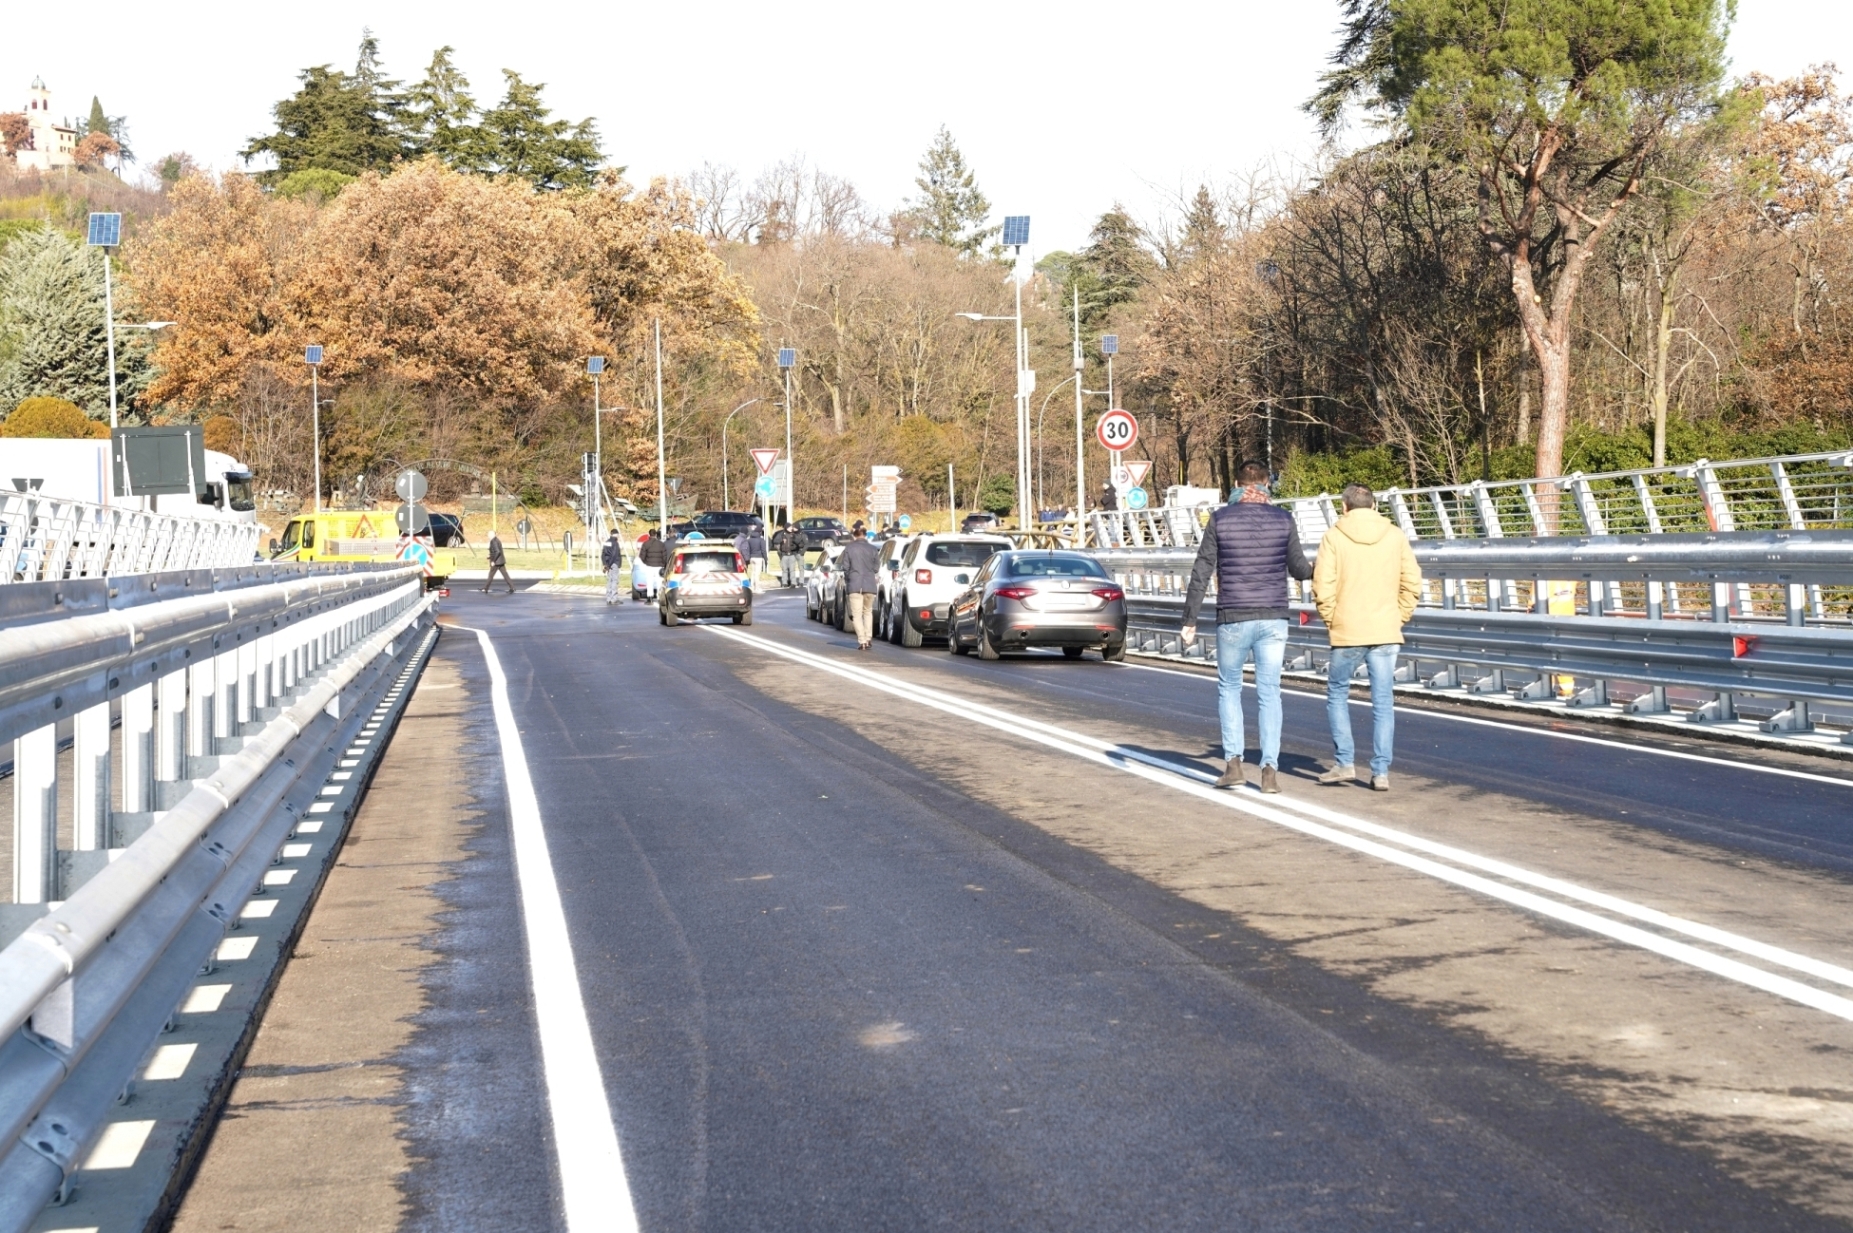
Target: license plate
1066,603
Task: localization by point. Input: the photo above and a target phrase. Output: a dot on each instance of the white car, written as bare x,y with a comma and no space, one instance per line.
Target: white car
645,580
887,576
932,570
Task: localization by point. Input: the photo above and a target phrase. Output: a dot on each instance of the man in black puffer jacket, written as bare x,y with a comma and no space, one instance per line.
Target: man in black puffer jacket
1250,547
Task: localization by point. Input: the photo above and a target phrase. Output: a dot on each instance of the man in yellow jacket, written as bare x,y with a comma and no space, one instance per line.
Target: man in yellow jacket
1366,583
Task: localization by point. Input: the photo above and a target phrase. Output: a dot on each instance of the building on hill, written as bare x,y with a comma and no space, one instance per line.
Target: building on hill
53,143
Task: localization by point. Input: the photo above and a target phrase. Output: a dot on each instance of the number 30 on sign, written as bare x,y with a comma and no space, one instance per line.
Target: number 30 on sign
1117,430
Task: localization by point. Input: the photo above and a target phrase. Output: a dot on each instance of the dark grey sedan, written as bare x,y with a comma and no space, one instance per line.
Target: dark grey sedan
1040,598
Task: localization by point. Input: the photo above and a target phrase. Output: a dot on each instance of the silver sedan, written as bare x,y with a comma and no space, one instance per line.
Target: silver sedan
1040,598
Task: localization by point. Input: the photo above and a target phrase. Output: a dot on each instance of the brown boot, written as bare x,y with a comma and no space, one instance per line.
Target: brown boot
1270,780
1232,775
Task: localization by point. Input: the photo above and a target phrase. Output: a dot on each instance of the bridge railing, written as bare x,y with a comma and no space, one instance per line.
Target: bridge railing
230,691
1795,492
1768,614
46,539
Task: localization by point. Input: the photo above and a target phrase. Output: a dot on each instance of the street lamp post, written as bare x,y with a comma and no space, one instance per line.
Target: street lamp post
1042,478
105,233
595,482
312,356
1016,235
788,360
662,469
726,498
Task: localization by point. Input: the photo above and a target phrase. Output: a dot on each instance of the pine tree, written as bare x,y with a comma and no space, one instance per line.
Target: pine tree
1204,230
99,123
1117,259
520,139
337,121
51,326
950,209
440,116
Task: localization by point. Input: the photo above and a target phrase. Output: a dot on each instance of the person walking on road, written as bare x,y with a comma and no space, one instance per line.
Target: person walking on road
498,562
612,557
1250,548
755,551
859,564
1366,584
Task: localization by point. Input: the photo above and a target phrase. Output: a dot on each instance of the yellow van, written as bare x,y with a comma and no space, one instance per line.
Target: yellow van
360,535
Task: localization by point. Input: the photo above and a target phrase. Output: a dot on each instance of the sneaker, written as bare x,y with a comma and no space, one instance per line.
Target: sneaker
1270,780
1232,776
1340,774
1380,783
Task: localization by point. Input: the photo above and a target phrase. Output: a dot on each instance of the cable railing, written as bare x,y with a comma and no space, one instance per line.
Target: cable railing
49,539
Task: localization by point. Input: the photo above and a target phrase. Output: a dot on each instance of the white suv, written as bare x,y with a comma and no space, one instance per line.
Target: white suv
932,570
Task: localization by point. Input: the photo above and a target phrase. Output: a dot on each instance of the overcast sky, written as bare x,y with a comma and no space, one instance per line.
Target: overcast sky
1061,108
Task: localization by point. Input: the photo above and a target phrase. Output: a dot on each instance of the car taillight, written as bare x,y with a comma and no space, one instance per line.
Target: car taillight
923,576
1015,592
1109,593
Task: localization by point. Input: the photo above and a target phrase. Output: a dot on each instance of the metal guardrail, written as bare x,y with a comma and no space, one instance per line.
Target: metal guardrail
1489,605
1795,492
226,700
49,539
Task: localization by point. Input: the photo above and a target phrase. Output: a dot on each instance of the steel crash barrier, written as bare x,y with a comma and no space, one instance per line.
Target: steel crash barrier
205,703
1768,615
52,539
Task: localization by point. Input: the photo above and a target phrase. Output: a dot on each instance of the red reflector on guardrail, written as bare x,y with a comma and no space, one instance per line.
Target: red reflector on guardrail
1742,646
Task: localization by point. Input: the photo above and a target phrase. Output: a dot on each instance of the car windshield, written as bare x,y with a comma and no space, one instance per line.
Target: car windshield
819,524
1053,566
707,562
238,495
292,534
960,554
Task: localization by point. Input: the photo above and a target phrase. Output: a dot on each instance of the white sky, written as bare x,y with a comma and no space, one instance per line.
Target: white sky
1166,93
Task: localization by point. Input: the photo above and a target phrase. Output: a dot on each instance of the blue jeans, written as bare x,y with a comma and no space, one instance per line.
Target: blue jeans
1381,663
1234,641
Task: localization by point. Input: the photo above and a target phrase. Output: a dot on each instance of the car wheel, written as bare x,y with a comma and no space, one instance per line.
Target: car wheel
744,618
1114,654
953,644
985,648
839,615
670,617
910,637
1072,652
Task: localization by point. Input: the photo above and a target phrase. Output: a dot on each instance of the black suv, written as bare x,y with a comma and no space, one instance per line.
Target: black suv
723,523
816,532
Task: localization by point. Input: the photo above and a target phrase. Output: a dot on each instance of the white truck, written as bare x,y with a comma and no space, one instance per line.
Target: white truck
79,470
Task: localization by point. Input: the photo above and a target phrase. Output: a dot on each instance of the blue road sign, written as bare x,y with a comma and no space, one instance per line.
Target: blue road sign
105,230
906,522
1016,230
312,356
1136,498
764,487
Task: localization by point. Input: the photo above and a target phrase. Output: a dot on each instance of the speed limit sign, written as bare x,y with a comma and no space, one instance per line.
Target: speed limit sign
1117,430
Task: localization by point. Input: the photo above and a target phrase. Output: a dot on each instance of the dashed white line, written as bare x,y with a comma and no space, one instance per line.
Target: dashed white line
169,1062
1417,857
119,1145
592,1182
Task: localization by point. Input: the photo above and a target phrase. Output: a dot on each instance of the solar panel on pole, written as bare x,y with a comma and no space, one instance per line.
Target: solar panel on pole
312,355
1016,230
105,230
595,365
1109,344
788,357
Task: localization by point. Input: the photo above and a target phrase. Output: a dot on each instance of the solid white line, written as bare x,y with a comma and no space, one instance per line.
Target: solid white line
592,1183
1526,729
1136,763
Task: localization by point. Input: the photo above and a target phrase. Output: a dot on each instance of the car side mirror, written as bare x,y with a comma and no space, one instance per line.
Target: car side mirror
962,578
275,547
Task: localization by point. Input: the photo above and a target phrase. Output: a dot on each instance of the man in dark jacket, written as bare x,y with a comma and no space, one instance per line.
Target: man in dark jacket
755,551
652,552
790,547
857,568
1250,547
612,557
498,562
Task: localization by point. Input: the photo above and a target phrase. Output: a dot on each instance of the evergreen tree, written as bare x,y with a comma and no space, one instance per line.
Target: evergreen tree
99,123
1204,230
1117,258
337,121
520,138
440,116
950,209
51,326
116,128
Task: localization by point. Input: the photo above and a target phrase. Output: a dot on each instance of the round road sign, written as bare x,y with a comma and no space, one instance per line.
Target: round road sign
906,522
410,486
1121,478
412,519
1135,498
1117,430
764,487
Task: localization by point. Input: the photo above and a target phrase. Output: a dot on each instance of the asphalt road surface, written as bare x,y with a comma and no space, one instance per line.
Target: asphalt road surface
897,940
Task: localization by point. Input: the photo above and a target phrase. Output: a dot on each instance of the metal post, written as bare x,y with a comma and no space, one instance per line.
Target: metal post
170,746
952,503
90,778
598,474
35,814
1023,474
791,464
138,749
315,421
662,468
109,332
1080,451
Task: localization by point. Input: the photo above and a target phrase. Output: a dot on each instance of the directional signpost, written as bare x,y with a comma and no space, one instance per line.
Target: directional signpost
882,483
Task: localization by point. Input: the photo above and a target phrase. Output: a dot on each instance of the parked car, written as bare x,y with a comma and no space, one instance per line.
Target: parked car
978,522
446,530
723,523
1040,597
705,578
820,589
932,571
887,571
820,531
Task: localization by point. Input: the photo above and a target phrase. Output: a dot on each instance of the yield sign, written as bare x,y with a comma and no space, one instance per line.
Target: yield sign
763,459
1138,470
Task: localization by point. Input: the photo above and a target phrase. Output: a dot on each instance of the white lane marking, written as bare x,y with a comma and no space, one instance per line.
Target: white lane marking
169,1062
592,1183
1136,763
233,949
204,999
119,1145
1528,730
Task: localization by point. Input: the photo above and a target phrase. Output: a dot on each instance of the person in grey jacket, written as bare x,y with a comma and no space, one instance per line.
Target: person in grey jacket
498,563
858,567
1251,548
611,556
